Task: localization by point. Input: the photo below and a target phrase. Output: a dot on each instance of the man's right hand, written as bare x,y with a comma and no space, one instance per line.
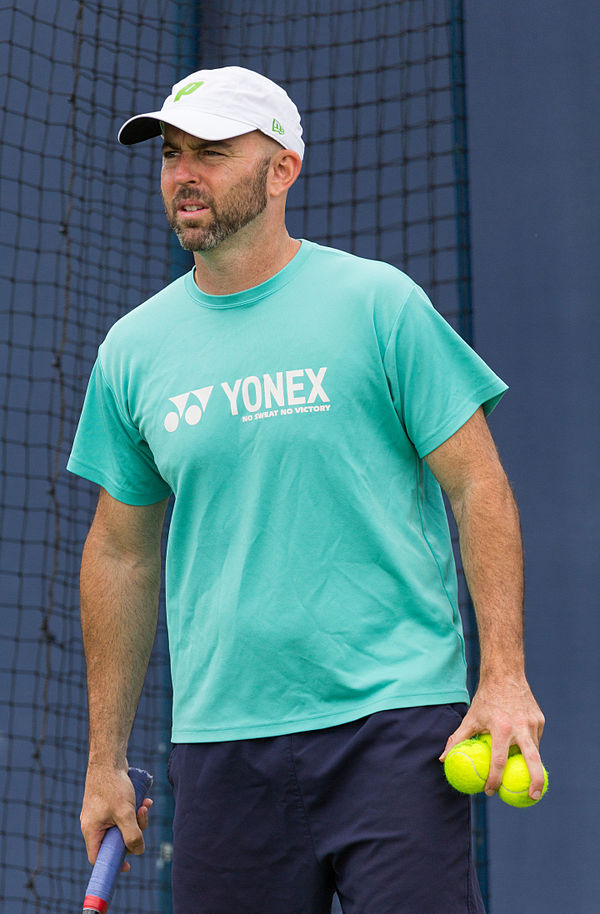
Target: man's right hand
109,800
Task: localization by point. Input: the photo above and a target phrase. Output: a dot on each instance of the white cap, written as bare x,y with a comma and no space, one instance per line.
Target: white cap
219,104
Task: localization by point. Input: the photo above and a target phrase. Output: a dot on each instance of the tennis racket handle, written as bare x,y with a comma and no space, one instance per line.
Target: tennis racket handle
112,853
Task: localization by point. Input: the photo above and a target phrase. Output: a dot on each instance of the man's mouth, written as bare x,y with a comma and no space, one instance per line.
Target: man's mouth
189,210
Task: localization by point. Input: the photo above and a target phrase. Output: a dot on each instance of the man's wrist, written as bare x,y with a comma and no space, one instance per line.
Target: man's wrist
499,676
115,760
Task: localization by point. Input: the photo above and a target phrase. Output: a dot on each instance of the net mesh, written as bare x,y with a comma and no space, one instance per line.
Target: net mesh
84,240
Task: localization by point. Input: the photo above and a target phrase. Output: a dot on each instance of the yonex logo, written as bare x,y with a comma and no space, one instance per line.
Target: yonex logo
187,90
277,128
192,413
286,389
299,390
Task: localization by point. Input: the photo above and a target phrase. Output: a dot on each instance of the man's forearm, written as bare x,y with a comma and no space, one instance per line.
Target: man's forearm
119,606
492,555
468,468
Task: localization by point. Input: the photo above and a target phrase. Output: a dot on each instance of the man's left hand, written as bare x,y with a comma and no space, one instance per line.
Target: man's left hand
507,709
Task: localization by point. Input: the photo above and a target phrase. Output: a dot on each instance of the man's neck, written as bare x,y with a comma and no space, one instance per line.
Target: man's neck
243,262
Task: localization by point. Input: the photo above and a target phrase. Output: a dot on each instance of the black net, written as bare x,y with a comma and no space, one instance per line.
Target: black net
84,239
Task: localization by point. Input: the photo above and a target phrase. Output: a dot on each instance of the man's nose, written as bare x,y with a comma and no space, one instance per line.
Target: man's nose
185,173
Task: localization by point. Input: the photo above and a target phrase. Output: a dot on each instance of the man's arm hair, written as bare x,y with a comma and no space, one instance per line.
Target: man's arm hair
120,583
468,468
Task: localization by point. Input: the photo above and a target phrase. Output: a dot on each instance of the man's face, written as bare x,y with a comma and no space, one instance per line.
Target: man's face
211,190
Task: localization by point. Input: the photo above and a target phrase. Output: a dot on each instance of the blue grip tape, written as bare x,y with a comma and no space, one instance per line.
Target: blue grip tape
112,850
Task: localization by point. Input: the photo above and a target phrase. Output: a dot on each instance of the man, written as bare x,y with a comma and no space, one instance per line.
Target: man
304,406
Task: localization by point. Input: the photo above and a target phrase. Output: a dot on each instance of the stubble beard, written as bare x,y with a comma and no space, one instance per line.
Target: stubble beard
241,204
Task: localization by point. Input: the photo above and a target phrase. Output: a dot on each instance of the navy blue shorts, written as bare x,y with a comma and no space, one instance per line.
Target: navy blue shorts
277,825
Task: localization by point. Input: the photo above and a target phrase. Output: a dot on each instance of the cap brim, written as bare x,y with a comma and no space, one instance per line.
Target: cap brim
196,123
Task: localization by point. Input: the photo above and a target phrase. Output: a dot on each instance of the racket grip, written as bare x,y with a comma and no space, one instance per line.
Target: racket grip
112,853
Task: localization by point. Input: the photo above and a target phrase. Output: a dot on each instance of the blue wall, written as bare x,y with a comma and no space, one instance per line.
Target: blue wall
534,134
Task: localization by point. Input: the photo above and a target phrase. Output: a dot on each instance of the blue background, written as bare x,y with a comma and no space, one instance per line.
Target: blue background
534,131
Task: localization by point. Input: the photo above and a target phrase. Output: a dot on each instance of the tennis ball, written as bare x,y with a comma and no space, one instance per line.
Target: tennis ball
514,789
487,738
467,765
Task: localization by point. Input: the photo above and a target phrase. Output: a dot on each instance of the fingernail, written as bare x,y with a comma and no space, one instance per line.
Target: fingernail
536,794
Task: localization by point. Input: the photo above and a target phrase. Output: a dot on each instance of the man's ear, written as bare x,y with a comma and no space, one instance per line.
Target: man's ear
285,168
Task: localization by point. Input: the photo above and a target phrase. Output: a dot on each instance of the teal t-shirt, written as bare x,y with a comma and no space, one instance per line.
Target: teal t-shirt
310,577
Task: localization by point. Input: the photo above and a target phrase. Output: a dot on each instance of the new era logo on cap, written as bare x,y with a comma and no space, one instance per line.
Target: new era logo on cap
188,89
223,103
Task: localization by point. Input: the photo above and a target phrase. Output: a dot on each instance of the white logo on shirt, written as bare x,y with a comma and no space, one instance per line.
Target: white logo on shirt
288,391
296,391
192,413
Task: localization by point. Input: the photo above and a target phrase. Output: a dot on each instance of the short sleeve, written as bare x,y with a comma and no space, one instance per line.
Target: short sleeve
109,450
436,380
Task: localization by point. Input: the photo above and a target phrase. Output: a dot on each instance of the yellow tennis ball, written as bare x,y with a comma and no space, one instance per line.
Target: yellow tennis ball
514,789
467,765
487,738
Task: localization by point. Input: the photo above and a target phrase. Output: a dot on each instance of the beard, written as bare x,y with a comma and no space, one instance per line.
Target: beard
240,205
